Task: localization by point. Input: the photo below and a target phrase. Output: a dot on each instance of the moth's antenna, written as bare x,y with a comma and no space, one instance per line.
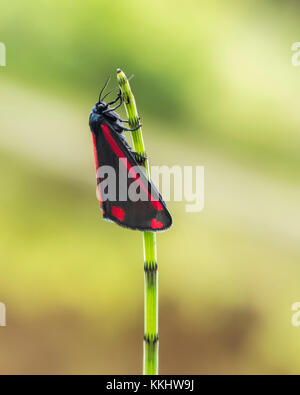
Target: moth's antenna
103,89
110,92
114,89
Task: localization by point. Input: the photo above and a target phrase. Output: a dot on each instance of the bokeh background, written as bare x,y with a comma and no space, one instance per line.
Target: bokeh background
215,86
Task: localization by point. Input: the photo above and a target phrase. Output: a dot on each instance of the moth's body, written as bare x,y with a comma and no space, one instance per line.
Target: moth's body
111,149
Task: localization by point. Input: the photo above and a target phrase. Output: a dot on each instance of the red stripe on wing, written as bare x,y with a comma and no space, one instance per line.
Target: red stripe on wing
156,204
97,167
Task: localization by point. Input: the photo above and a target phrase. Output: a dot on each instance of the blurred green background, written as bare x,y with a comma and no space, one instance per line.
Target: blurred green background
215,86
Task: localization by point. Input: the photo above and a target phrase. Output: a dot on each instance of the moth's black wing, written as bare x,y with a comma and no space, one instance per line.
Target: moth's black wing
148,211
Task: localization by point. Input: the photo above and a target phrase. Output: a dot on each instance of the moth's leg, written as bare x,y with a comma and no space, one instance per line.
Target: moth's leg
113,102
112,109
133,130
115,108
138,157
125,121
141,159
107,94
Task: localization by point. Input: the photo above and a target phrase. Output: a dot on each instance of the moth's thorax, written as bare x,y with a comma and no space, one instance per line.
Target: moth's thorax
96,118
101,106
99,115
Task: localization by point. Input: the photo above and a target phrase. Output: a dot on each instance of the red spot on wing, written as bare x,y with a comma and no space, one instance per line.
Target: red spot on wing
156,224
118,213
157,205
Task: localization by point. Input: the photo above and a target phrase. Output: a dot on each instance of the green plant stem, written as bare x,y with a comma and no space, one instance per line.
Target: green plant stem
150,365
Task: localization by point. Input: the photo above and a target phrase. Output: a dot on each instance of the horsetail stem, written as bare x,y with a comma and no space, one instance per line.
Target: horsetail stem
150,364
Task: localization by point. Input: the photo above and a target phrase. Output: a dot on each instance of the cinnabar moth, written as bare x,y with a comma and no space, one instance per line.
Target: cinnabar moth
111,149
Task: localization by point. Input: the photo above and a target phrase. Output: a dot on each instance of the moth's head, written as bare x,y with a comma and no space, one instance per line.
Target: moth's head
100,106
